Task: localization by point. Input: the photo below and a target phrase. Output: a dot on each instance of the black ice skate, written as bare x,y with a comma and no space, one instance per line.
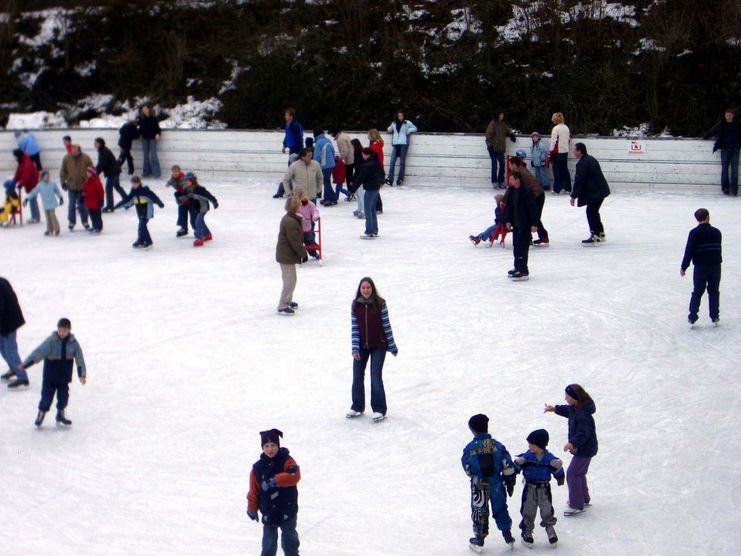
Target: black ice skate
39,418
62,418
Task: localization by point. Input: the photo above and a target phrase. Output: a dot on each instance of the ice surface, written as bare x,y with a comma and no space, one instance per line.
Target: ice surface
188,361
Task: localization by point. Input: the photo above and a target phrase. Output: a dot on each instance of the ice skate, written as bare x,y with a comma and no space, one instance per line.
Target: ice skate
593,239
716,322
476,544
181,232
508,538
527,540
18,383
39,418
541,242
474,239
573,511
286,311
520,277
351,414
378,417
7,376
62,418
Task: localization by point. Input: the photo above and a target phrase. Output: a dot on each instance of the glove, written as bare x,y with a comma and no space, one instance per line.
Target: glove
267,485
162,205
252,515
509,484
216,204
303,260
560,481
61,201
25,202
64,186
512,137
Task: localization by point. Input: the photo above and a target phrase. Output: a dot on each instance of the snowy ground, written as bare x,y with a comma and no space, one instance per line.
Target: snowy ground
188,361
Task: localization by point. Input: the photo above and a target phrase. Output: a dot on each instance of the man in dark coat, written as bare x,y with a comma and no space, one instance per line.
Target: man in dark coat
126,136
108,165
703,249
11,319
590,188
521,217
728,132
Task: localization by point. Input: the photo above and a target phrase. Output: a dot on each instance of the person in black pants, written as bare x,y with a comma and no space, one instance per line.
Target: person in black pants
703,249
521,217
590,188
126,136
108,166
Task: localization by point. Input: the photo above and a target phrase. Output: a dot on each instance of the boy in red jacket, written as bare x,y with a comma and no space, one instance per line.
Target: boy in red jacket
93,196
26,177
273,481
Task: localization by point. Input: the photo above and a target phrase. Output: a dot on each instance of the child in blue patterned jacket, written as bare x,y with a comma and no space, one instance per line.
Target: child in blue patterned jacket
538,161
142,198
489,465
537,466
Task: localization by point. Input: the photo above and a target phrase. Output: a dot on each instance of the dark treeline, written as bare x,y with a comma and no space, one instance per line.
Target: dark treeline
352,63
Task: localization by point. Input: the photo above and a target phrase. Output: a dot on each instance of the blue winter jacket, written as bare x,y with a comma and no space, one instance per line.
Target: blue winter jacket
294,138
49,193
486,460
539,154
400,135
323,152
582,431
58,356
29,145
539,470
142,198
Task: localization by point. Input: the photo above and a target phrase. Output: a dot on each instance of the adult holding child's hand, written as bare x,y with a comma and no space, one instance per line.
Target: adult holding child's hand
582,443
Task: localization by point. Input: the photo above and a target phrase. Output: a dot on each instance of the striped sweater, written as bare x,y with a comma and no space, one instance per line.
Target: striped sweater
370,330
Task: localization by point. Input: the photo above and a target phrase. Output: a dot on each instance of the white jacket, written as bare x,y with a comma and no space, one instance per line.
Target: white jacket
561,134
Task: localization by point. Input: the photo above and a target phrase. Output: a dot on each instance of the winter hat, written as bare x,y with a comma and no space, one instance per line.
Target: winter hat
535,134
18,153
539,438
190,176
64,323
521,153
571,392
479,423
8,185
44,173
273,435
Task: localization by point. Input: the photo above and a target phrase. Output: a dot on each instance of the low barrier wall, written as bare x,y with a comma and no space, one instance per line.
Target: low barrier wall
433,160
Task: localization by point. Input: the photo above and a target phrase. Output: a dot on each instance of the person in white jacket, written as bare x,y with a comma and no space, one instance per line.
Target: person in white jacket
560,137
400,129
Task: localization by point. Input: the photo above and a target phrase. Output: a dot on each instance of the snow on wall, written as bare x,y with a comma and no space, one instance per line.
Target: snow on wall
433,159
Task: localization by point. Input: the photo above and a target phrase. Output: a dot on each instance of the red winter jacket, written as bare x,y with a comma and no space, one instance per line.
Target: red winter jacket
27,175
338,172
92,193
377,147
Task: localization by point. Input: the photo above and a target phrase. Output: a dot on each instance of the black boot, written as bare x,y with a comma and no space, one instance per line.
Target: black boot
18,382
62,419
39,418
7,376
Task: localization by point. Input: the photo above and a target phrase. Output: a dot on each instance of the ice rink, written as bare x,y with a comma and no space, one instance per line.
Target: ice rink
188,361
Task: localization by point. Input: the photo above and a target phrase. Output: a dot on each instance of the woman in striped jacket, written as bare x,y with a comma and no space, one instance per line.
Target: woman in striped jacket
371,339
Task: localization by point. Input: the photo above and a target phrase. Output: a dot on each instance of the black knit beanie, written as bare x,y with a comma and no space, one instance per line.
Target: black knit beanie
539,438
478,423
273,435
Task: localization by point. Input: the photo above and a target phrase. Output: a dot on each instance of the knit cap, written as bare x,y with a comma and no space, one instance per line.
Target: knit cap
539,438
272,435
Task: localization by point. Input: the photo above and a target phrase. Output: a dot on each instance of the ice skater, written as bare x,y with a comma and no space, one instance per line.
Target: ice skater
703,249
198,198
496,230
273,491
591,189
59,352
290,251
11,319
177,182
537,466
143,198
521,217
579,410
372,337
93,198
51,198
489,465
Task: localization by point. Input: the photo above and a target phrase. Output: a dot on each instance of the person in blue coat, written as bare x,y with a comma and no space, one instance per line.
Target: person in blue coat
59,352
579,410
142,198
704,250
537,466
489,466
400,130
324,155
27,143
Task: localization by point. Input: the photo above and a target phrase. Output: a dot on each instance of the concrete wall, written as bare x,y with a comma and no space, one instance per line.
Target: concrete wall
433,159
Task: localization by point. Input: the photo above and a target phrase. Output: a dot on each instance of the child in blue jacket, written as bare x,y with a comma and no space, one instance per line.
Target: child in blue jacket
141,197
59,352
537,466
492,474
538,161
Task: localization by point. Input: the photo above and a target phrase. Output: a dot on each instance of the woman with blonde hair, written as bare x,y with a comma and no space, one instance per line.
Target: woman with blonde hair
289,252
560,137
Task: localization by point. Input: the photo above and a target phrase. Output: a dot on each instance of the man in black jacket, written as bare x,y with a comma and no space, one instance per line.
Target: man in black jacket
11,319
371,176
108,165
520,216
703,249
728,132
126,136
590,188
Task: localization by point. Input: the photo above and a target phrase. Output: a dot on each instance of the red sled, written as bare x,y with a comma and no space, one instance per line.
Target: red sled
318,239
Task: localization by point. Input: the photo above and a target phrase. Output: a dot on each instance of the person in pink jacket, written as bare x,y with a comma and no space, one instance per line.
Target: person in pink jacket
309,214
